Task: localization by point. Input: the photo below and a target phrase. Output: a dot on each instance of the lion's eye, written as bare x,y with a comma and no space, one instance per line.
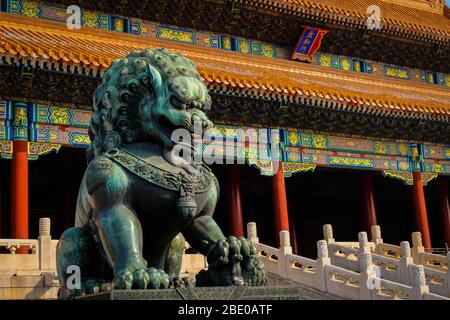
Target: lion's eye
177,103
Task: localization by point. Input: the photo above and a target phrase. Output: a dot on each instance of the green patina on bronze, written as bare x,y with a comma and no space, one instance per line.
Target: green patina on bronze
136,204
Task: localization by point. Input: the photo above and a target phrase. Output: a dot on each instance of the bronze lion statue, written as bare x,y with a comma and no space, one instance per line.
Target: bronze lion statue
136,204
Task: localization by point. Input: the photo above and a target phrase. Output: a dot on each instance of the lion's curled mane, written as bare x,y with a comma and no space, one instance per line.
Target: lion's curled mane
130,88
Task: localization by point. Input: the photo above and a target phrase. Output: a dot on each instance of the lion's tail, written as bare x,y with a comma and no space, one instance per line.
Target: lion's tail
83,211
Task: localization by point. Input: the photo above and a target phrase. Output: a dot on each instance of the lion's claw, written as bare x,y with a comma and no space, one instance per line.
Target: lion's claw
87,286
164,279
94,286
142,278
184,282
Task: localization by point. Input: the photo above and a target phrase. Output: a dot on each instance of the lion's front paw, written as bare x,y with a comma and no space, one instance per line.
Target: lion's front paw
253,270
86,286
141,278
184,282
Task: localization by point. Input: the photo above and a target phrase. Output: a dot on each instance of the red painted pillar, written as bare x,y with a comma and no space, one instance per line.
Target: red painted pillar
1,211
235,221
420,210
368,203
280,202
443,198
19,192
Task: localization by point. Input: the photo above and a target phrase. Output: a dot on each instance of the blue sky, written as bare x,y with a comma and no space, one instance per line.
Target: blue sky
447,2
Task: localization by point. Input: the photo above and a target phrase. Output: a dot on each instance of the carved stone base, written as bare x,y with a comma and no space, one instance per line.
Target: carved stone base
305,292
205,293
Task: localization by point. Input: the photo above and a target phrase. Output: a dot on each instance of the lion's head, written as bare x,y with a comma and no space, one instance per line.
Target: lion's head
145,97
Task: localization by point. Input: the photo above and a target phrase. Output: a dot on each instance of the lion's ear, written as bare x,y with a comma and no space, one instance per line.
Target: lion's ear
148,72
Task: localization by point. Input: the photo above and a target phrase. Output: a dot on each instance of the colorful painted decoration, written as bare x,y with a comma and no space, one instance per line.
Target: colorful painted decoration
265,166
6,149
436,166
49,127
20,121
290,168
308,44
6,117
39,149
407,176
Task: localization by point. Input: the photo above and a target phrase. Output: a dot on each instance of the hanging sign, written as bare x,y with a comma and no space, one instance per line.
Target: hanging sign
308,44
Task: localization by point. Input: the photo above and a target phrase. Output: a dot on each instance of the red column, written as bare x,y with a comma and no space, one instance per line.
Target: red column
280,202
235,221
19,192
445,209
420,210
1,211
368,203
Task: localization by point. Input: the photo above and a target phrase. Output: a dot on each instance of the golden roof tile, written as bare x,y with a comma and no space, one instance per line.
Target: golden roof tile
393,13
226,71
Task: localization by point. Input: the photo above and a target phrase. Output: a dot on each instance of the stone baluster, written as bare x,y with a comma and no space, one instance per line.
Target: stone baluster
328,233
363,243
285,248
252,232
322,261
13,248
405,261
46,255
369,277
418,282
417,248
376,237
44,226
285,242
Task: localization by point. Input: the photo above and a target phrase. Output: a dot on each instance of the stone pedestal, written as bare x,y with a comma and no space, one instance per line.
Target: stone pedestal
209,293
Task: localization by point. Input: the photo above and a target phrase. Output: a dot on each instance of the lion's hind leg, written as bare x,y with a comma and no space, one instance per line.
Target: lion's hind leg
174,256
173,262
78,266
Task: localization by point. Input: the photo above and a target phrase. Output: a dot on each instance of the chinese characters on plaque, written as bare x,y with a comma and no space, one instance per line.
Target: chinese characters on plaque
308,44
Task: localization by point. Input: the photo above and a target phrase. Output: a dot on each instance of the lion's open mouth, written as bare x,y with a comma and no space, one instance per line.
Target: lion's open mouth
167,128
